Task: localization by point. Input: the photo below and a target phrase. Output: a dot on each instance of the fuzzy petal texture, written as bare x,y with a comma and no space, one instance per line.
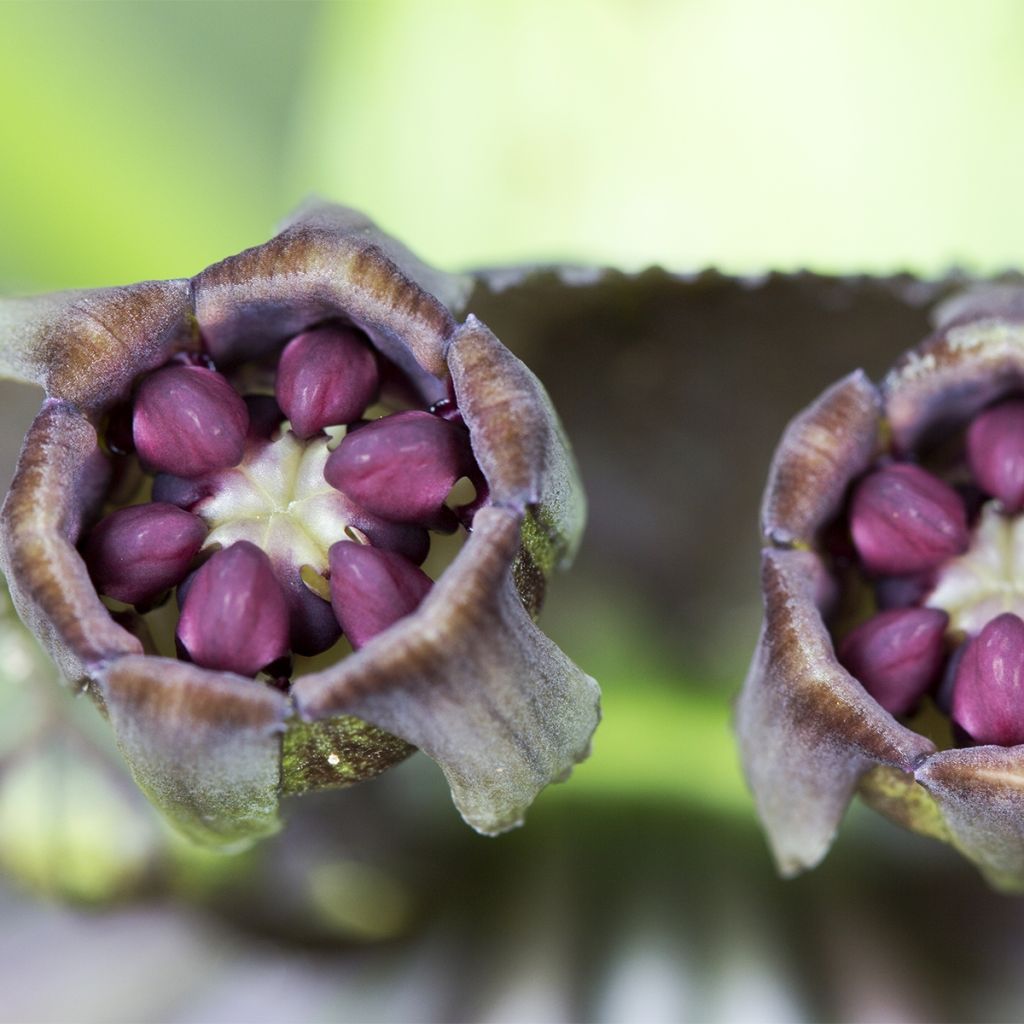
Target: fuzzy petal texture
807,728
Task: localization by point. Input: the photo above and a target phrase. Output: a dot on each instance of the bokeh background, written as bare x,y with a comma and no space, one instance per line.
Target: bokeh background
150,139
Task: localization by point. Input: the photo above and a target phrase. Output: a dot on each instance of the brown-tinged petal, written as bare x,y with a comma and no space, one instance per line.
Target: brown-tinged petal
980,794
56,489
470,680
807,728
331,263
521,449
87,347
975,358
205,746
824,448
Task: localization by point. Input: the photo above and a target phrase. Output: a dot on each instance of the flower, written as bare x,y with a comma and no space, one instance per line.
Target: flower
159,446
891,657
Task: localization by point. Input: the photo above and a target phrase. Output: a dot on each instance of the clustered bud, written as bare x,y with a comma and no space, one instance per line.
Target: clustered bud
947,575
283,520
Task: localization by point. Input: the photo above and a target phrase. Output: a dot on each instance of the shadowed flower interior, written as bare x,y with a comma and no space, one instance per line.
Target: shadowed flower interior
282,509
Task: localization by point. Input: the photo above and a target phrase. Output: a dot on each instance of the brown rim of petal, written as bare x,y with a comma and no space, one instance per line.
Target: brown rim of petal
205,746
807,728
57,486
517,439
87,347
469,679
329,263
977,358
980,793
822,450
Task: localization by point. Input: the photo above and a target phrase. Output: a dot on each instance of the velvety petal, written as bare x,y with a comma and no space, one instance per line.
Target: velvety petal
980,794
330,263
469,679
57,487
824,448
807,728
87,347
975,359
205,746
520,447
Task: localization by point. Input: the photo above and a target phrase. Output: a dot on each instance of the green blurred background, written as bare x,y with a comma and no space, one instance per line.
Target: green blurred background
150,139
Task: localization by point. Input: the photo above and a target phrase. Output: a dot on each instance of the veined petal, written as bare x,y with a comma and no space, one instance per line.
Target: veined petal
807,728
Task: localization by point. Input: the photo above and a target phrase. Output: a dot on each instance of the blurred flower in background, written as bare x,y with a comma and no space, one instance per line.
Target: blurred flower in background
148,140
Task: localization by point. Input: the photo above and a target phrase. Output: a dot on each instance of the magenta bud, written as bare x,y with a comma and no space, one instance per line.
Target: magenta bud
903,591
136,553
988,694
402,467
234,614
995,453
188,421
371,589
312,625
180,491
897,655
904,520
326,377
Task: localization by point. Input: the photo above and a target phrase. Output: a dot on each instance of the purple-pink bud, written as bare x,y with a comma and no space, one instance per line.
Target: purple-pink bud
402,467
995,453
897,655
188,421
312,625
988,694
904,520
371,589
136,553
234,614
265,416
326,377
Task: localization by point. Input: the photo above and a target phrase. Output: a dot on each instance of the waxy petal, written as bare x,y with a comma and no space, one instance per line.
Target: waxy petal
136,553
326,377
897,655
402,467
988,694
188,421
235,616
904,520
995,452
807,729
372,589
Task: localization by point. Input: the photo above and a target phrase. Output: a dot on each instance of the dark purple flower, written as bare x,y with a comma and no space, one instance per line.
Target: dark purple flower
889,466
904,520
137,553
234,617
466,675
402,467
326,377
188,421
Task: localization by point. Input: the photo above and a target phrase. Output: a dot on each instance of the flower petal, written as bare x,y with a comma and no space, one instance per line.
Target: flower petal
58,485
469,679
823,449
205,746
329,264
975,359
807,728
87,347
980,794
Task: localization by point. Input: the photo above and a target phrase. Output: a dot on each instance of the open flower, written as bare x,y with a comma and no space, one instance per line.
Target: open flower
891,659
216,439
